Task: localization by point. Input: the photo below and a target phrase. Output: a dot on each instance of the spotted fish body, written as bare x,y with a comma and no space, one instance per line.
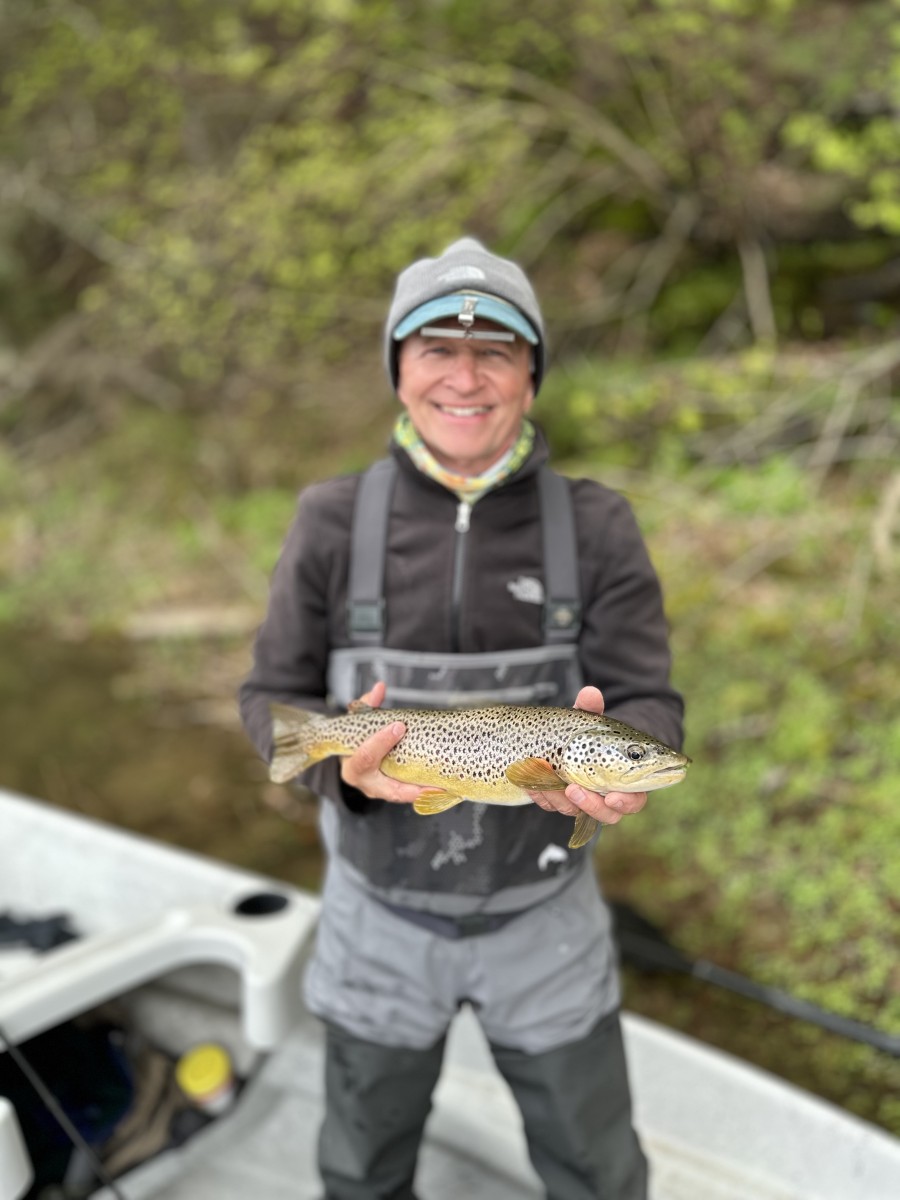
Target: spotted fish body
492,755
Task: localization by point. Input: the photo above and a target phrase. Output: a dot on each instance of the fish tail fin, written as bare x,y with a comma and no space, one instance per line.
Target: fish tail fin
295,732
584,830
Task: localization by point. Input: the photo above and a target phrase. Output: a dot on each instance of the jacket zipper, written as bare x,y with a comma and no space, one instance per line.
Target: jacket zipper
463,516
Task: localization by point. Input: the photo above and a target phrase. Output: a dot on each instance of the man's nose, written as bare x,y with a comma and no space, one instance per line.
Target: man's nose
464,374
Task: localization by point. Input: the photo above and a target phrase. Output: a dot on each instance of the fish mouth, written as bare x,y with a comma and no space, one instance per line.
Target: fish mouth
666,775
651,780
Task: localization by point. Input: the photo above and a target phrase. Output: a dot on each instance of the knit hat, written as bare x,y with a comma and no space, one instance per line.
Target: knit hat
466,276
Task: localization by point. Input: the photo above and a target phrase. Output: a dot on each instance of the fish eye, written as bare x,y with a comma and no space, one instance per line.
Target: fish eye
635,752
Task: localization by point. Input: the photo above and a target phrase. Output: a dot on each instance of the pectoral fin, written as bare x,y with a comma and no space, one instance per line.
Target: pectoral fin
534,775
584,830
435,800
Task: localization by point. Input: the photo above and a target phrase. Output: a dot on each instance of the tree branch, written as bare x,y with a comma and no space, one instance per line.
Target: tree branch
757,292
18,189
563,209
599,128
658,263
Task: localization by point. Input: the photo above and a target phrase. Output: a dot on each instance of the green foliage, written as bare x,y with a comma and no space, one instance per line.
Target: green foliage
779,832
210,189
857,137
257,521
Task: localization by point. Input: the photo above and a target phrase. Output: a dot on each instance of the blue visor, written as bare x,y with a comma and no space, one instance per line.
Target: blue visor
487,308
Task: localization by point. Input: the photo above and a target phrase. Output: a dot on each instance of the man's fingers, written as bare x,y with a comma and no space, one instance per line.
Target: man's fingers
374,749
401,793
626,803
362,769
555,802
608,810
591,700
375,696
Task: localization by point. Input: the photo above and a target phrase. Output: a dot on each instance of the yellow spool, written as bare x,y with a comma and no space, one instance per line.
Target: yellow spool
205,1076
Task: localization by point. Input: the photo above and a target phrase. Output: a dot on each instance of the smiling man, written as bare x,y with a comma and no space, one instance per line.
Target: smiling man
460,570
466,397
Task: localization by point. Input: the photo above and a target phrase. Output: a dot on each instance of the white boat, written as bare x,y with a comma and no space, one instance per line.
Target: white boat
200,951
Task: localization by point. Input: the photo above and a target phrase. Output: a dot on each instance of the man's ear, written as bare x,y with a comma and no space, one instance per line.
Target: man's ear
399,386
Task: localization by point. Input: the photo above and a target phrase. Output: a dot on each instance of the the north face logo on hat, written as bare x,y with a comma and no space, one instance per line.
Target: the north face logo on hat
461,274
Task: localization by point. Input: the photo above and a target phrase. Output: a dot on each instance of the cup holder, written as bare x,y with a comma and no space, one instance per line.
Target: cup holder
261,904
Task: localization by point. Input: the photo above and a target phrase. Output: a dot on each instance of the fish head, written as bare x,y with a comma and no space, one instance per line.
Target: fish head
612,757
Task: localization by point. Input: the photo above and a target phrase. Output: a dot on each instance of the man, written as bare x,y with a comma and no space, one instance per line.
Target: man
462,568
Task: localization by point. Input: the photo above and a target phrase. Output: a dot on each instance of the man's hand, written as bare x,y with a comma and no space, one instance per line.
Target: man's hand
362,769
608,809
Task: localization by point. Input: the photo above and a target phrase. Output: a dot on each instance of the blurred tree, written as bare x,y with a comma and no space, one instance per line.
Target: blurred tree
197,197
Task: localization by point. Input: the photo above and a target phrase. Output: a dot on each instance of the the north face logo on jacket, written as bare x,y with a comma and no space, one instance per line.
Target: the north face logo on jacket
527,589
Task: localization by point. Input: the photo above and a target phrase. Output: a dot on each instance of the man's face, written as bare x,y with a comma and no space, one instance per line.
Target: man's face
466,397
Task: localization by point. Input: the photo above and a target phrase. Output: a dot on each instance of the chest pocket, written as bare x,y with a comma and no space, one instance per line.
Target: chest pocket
547,674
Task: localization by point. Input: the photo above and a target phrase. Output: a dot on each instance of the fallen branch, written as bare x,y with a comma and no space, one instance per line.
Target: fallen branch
885,525
857,590
191,623
826,449
756,560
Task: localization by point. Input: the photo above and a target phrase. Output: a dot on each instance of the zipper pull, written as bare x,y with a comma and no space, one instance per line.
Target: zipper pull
463,513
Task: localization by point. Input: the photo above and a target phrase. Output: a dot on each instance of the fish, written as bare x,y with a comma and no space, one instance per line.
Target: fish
490,755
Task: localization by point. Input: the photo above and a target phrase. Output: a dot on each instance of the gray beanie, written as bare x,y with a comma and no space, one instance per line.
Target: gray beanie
439,287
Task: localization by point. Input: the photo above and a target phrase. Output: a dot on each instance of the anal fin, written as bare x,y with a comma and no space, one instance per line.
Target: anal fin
585,828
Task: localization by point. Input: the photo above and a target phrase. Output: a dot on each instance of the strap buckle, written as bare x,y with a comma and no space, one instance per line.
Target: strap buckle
365,616
562,616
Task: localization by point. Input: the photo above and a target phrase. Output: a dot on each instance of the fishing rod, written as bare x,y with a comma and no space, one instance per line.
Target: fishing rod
646,947
59,1114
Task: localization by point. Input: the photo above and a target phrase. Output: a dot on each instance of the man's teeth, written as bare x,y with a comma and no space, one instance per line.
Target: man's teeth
468,411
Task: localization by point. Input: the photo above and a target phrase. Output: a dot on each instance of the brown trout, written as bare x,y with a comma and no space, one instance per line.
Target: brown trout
491,755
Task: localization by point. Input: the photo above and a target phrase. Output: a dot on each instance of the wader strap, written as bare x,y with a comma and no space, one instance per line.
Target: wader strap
371,514
562,603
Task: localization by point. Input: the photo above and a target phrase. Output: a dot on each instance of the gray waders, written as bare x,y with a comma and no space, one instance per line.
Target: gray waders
575,1103
574,1096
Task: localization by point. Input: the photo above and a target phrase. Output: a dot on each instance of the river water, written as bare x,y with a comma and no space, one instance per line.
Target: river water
148,739
112,729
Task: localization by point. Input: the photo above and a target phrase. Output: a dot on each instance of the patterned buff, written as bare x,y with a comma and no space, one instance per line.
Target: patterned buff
467,487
